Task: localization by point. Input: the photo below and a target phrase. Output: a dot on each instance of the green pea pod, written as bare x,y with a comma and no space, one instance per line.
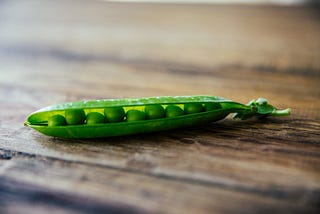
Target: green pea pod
219,109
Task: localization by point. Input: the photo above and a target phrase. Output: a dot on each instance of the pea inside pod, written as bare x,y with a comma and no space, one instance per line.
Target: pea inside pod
135,115
57,120
154,111
211,106
75,116
173,111
118,117
95,118
114,114
191,108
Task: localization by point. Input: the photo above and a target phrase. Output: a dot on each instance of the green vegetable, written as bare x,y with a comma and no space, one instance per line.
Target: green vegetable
114,114
57,120
135,115
191,108
154,111
211,106
95,118
75,116
142,115
173,111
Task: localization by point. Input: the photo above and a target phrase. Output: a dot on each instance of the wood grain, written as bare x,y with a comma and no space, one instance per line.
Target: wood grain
53,52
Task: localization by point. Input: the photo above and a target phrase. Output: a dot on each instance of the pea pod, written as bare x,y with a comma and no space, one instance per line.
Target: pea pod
210,109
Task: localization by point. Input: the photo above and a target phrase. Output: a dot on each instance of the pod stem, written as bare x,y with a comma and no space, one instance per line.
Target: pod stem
282,112
260,108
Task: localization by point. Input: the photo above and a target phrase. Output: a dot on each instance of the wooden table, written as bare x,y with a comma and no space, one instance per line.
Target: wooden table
52,52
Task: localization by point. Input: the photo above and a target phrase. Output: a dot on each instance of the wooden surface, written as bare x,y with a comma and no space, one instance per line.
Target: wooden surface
52,52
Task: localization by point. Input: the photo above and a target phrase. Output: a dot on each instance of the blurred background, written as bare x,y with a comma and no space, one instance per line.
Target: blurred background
281,2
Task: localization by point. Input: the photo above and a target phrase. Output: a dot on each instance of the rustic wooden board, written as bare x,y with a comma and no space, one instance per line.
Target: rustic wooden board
52,52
